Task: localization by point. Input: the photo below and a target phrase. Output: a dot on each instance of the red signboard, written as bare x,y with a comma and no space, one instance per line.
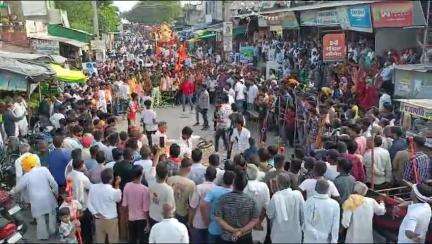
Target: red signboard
334,47
392,14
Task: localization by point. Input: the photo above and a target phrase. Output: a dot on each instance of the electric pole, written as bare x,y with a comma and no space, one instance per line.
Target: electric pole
95,19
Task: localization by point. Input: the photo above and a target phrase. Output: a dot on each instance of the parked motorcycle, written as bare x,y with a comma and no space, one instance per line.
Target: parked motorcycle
12,226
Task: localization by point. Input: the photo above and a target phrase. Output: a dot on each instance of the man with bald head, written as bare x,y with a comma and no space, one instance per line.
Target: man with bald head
321,216
285,211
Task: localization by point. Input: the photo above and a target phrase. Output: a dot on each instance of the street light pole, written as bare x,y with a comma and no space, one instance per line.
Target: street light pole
95,19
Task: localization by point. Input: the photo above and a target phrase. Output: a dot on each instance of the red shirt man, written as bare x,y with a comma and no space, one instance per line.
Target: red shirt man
187,87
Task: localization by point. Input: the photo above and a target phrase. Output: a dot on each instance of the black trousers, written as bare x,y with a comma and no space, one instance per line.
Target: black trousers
149,137
136,231
87,227
152,222
224,134
205,117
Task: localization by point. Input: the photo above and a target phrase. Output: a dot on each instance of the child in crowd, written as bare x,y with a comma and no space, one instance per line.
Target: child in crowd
67,228
75,210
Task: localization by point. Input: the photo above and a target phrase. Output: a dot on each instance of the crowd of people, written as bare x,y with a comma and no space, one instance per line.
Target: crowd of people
98,182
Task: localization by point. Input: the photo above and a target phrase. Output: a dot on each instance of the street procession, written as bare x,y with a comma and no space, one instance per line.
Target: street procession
249,122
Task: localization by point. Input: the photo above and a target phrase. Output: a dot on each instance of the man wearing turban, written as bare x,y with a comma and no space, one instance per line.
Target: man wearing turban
42,190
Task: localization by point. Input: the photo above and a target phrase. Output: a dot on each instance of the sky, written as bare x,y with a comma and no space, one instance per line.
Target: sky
125,5
128,5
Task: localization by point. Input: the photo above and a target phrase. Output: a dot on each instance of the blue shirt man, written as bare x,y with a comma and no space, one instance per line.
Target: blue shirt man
212,198
58,159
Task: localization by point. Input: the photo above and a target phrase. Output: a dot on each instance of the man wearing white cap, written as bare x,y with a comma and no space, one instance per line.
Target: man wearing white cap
415,224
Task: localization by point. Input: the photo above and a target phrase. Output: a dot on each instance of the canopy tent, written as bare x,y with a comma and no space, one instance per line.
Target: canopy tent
203,35
69,76
30,69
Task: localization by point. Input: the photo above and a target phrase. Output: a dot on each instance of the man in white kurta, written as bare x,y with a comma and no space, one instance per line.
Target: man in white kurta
358,212
285,211
260,192
20,109
415,224
321,216
41,188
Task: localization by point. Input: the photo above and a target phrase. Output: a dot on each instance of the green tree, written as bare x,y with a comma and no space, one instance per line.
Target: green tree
109,18
154,12
80,15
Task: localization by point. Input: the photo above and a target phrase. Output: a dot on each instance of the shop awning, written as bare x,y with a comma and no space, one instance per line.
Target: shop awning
69,33
33,56
71,42
36,71
69,76
329,4
203,37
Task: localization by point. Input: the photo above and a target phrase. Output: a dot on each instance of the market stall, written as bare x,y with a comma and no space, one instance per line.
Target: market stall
417,117
23,76
34,71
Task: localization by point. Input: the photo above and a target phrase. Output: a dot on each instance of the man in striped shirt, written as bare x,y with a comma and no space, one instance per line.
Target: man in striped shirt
420,160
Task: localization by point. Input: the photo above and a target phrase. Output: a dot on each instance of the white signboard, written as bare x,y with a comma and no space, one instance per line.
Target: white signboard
35,27
208,18
227,43
227,28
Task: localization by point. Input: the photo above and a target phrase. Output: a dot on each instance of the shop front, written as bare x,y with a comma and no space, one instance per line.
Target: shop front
404,20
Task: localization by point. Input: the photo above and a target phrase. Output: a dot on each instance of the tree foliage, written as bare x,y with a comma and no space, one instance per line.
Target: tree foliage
109,18
154,12
80,15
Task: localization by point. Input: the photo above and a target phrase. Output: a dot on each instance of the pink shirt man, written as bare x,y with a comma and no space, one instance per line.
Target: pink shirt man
137,198
361,145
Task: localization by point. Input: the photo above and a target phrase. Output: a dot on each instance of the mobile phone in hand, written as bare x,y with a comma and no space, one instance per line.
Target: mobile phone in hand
161,142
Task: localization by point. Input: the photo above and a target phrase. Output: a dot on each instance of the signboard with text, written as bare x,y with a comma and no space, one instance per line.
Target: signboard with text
319,18
334,47
247,53
47,47
227,28
392,14
327,17
359,16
